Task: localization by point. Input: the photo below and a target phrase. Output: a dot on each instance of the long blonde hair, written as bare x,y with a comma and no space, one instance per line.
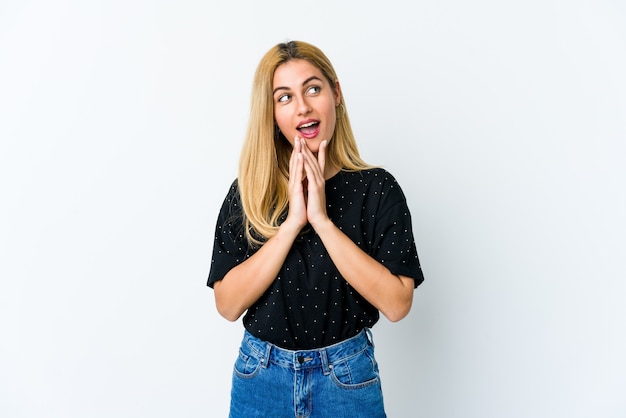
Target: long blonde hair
264,163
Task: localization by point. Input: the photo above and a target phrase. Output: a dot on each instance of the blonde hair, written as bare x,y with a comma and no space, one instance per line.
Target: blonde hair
264,163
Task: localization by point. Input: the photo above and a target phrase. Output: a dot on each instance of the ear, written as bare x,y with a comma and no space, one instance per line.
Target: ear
337,93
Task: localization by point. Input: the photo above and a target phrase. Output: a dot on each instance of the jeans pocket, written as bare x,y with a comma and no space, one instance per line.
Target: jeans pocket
356,372
247,365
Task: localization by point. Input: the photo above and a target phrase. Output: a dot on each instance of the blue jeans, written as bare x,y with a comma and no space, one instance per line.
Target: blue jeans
337,381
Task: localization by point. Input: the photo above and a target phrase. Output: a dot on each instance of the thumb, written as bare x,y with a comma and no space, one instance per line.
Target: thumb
321,155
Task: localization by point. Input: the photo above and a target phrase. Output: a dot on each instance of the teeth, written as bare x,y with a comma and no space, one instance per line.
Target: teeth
306,125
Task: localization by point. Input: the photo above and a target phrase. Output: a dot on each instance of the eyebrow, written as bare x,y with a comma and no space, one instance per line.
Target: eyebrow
304,83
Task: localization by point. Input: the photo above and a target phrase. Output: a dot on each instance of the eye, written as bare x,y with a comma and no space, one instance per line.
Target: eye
313,90
283,98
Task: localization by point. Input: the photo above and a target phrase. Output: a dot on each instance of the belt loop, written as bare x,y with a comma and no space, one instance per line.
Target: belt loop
370,337
266,359
324,359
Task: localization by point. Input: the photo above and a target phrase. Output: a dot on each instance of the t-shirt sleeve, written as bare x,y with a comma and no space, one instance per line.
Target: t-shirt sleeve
230,246
394,243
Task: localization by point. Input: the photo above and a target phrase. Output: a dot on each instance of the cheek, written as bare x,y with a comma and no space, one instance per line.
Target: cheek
331,119
281,118
330,128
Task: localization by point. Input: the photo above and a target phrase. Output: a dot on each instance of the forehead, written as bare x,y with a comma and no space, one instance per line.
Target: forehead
295,72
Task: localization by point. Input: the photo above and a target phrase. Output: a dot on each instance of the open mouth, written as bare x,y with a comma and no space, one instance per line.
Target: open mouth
309,129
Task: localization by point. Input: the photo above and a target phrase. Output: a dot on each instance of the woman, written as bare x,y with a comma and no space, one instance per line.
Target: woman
311,244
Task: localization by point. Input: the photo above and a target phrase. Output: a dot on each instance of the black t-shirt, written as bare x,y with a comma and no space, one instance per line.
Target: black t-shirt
310,305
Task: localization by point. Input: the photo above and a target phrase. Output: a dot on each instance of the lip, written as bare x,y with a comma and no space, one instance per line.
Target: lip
304,122
312,134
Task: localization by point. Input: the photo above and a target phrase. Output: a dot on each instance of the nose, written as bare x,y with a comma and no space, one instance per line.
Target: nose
303,106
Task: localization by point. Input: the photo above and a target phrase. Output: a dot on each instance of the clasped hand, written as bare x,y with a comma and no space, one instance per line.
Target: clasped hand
307,195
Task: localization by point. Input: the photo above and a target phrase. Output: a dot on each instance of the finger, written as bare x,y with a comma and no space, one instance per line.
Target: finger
310,164
312,169
306,151
312,161
293,162
302,150
321,155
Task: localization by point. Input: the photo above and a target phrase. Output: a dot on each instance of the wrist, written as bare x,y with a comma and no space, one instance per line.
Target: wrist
290,228
322,226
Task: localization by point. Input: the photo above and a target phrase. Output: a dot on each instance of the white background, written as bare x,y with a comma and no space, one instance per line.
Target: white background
121,124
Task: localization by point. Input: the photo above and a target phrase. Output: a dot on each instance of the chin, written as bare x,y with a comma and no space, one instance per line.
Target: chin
314,145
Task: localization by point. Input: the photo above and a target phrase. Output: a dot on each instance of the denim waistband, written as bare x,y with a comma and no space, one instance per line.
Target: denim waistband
323,357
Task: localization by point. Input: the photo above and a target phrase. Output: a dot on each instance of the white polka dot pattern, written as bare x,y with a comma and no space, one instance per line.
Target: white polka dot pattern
310,305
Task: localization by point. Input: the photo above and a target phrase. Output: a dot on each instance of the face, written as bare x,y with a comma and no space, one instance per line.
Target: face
304,103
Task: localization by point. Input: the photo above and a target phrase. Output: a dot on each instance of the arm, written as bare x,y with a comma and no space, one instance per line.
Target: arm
245,283
390,294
